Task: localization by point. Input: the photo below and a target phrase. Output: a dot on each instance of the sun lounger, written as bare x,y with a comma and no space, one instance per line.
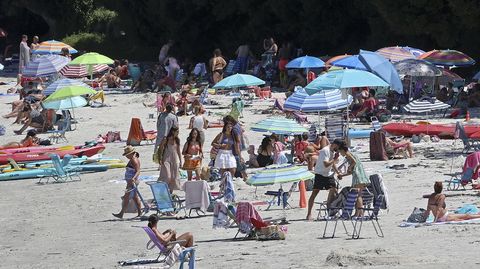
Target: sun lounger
165,202
61,172
66,125
468,144
196,196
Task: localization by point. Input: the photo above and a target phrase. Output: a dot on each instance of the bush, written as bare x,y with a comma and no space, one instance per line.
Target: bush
101,16
85,41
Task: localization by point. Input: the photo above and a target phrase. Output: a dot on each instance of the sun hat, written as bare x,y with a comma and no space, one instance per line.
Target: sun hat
128,150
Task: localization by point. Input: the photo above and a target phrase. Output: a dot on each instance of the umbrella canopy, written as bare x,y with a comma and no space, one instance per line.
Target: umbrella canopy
396,54
44,66
238,80
61,83
335,58
448,76
341,79
284,173
447,58
306,62
69,91
80,71
351,62
279,126
320,101
53,47
67,103
383,68
417,68
416,52
91,58
426,105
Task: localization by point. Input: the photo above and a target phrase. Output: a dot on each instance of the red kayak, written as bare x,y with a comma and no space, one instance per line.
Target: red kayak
399,128
441,130
37,155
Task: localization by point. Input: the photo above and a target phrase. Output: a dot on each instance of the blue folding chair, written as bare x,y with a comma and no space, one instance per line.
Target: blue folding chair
343,214
61,171
165,202
370,214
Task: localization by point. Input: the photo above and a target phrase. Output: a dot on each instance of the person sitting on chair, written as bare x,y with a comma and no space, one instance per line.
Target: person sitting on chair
34,118
401,145
368,107
169,235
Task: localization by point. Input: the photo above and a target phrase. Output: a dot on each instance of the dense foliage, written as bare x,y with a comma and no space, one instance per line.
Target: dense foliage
137,29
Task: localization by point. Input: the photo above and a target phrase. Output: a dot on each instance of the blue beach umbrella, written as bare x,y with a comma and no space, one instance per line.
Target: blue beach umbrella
320,101
45,65
351,62
278,174
342,79
61,83
67,103
281,126
238,80
306,62
381,67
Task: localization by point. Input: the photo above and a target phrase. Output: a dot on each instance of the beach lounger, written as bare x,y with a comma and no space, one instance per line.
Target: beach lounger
61,172
196,196
335,127
66,125
165,202
343,214
370,214
460,179
168,254
137,134
280,196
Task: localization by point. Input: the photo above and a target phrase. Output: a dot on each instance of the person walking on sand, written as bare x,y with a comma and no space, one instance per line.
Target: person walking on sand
24,54
165,121
169,157
324,172
199,122
132,172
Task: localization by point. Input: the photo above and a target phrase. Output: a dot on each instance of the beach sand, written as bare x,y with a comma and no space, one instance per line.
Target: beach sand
70,225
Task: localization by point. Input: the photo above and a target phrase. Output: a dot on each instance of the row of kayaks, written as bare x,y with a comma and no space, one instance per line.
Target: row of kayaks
440,130
39,162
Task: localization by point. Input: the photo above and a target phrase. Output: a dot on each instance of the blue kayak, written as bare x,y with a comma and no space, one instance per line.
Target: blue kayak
47,172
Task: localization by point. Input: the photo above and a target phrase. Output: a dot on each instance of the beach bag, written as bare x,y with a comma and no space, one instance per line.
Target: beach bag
378,188
417,216
377,146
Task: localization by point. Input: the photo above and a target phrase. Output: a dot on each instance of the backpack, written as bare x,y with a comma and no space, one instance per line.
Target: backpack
378,146
378,188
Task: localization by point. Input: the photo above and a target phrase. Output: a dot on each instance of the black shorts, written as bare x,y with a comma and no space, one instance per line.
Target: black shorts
323,183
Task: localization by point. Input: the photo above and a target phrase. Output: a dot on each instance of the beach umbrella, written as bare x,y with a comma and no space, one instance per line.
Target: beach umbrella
305,62
425,105
91,58
69,91
417,68
396,54
80,71
335,58
381,67
281,126
45,65
351,62
300,100
278,174
342,79
448,76
237,81
61,83
53,47
451,58
416,52
64,104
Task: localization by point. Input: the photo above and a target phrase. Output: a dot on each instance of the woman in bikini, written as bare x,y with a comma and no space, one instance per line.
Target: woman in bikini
437,206
217,64
169,235
192,153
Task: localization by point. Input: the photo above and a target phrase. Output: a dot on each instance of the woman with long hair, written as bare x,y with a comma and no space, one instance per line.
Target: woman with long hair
224,142
193,155
169,158
169,235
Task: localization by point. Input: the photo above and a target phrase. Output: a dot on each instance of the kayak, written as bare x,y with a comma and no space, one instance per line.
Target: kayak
440,130
47,172
359,133
34,155
35,149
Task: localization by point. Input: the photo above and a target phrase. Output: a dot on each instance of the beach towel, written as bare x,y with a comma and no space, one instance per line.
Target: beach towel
135,135
228,187
429,222
196,195
220,215
245,212
471,162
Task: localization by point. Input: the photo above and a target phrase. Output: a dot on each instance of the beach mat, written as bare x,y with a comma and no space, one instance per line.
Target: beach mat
416,225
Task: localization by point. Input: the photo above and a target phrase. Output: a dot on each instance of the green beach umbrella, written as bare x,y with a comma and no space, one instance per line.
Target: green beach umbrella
282,173
91,58
69,91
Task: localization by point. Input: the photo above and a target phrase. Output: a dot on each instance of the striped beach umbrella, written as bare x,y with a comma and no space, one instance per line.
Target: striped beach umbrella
396,54
278,174
53,47
417,68
45,65
447,58
351,62
61,83
281,126
425,106
300,100
80,71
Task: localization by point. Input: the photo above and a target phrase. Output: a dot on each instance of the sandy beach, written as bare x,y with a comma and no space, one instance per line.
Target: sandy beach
70,225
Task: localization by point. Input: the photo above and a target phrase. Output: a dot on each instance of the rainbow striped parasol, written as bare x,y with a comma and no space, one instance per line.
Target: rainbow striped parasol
396,54
447,58
53,47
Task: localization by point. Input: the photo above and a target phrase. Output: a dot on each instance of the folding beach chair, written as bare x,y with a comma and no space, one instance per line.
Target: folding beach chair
370,214
280,196
468,144
459,179
137,134
247,218
343,214
335,127
168,254
165,202
64,126
196,196
61,172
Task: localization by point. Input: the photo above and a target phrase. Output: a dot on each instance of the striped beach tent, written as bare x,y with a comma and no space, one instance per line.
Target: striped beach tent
45,66
61,83
53,47
281,126
80,71
321,101
425,105
277,174
447,58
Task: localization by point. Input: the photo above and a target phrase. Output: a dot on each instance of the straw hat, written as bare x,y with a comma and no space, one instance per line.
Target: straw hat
128,150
